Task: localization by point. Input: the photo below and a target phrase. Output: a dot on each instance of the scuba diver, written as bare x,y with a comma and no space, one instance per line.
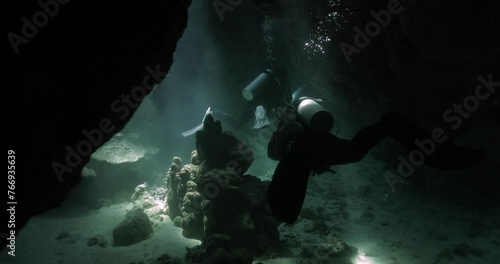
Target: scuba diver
269,89
303,144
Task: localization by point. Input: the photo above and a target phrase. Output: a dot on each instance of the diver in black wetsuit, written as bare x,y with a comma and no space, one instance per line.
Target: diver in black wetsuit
302,144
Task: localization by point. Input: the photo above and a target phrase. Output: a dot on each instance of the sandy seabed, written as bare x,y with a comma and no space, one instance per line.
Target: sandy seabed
401,227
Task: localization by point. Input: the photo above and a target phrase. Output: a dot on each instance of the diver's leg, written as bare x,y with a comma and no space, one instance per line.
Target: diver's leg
287,190
337,151
441,155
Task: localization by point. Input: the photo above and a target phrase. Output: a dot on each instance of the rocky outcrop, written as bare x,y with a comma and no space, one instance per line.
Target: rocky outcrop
114,170
183,200
135,228
120,163
75,74
151,201
212,199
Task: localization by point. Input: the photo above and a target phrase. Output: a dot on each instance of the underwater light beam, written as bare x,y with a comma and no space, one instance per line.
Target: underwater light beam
362,260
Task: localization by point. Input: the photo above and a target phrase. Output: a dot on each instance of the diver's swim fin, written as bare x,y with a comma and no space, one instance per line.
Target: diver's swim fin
193,130
288,187
444,155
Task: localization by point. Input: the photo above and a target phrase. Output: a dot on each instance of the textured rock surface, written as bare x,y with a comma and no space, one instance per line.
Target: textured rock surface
67,77
135,228
184,202
120,150
117,167
214,201
151,200
427,60
428,55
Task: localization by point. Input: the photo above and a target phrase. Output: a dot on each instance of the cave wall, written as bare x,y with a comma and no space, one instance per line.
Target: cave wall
80,67
426,62
427,56
67,76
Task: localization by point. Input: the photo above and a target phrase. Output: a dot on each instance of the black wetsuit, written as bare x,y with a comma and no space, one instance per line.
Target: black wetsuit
300,151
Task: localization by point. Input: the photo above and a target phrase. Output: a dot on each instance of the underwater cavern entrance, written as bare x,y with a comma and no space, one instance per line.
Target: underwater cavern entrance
139,197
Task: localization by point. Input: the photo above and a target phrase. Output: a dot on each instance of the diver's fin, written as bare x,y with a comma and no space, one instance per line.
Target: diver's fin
452,157
209,111
198,127
444,155
191,131
288,187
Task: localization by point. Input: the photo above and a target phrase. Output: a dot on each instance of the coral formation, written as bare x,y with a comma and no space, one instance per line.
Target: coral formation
213,200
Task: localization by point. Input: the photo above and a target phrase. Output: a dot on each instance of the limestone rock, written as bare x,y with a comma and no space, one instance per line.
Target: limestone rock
135,228
119,150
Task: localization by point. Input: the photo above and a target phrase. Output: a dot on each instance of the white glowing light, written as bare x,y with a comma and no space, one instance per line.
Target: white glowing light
361,259
160,204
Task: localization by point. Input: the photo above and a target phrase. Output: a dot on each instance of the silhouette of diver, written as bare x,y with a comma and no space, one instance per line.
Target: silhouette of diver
268,89
300,151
